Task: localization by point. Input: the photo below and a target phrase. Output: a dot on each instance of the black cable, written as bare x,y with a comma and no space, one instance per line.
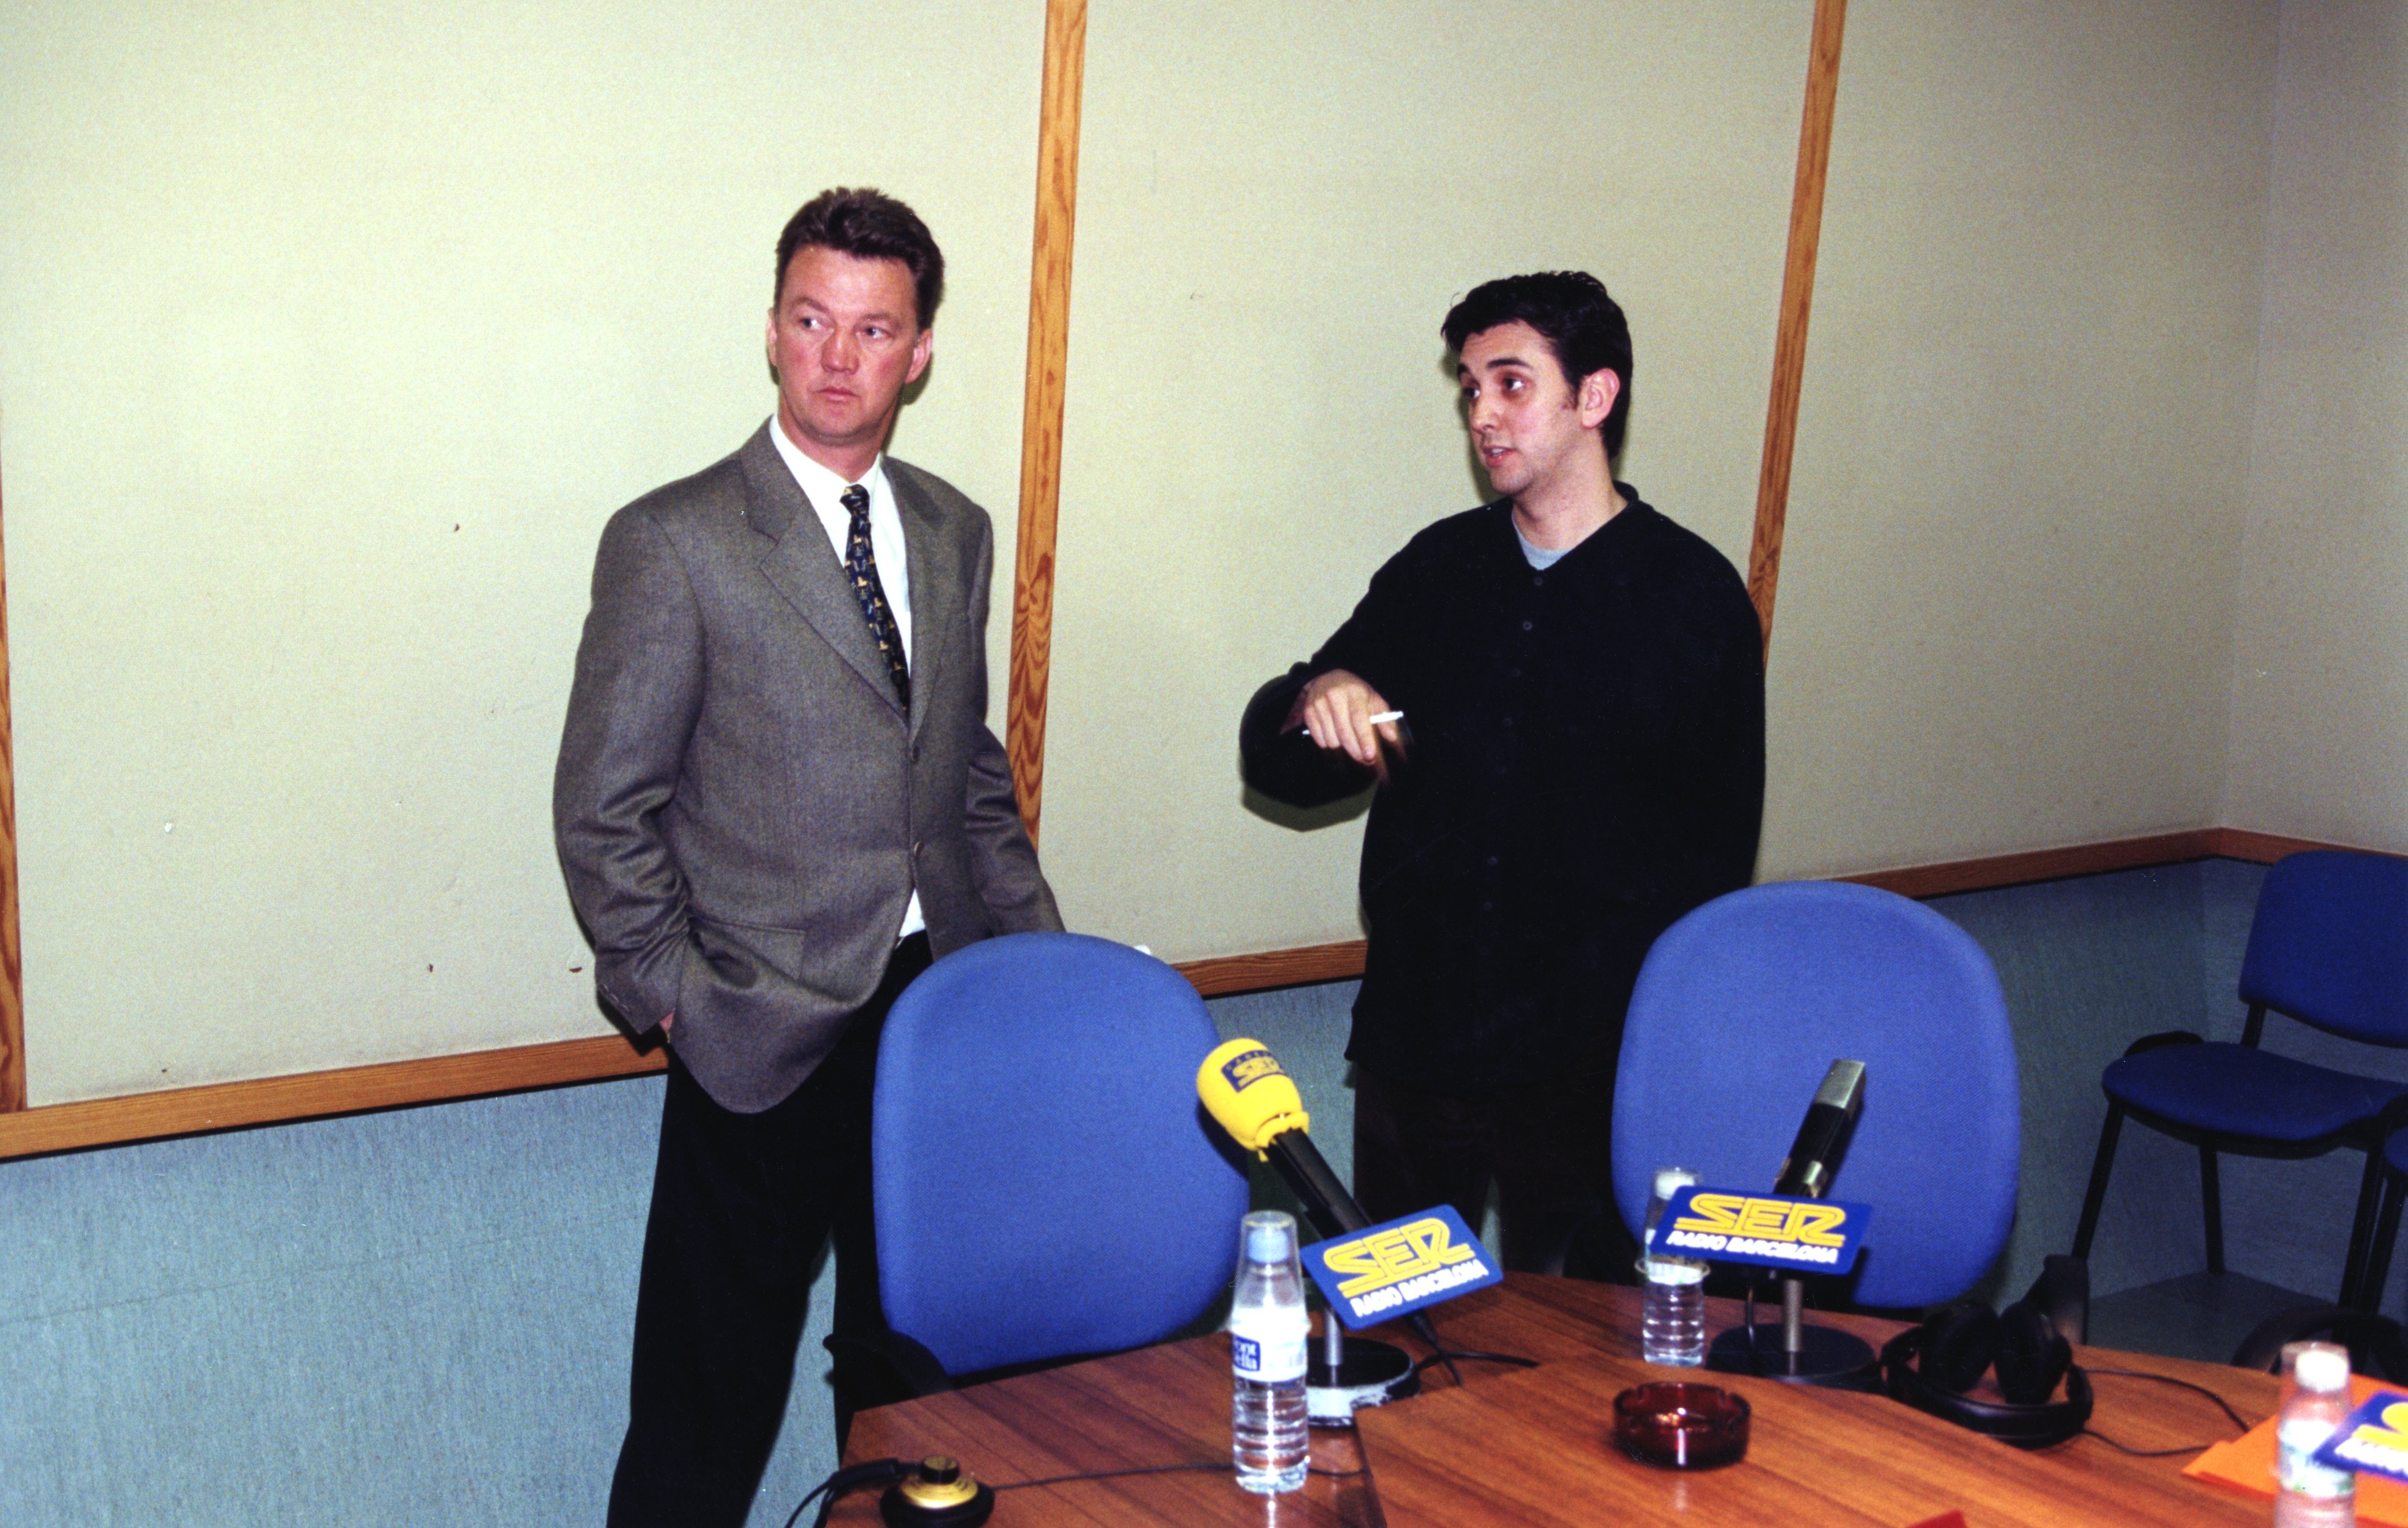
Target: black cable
1108,1475
1438,1349
877,1472
1451,1353
2163,1379
2141,1453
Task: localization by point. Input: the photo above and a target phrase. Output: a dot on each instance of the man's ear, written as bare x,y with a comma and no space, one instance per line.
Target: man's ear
1597,392
921,348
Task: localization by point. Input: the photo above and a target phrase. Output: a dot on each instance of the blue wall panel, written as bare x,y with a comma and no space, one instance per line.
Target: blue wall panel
422,1317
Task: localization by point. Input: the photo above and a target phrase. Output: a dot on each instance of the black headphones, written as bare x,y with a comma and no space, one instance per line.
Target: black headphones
1931,1366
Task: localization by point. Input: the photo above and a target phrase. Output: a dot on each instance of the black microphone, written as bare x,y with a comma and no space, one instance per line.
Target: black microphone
1325,1198
1813,1158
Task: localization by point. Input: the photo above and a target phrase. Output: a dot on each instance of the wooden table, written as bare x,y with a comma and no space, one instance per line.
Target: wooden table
1532,1447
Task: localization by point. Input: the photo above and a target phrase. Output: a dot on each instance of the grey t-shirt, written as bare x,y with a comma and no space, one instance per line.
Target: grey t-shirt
1539,557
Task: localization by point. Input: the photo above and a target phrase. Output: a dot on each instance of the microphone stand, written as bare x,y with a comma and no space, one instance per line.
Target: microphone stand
1801,1354
1346,1372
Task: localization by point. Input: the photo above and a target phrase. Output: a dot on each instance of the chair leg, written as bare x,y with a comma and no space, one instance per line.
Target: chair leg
2211,1195
2101,1166
2378,1254
2355,1271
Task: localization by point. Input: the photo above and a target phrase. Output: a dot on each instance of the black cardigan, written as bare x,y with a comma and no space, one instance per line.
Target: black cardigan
1587,765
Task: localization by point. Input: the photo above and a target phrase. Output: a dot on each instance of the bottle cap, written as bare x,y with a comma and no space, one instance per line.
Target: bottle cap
2322,1369
1269,1236
1671,1180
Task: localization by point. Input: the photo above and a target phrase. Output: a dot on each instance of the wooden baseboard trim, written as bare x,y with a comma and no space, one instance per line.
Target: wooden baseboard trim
317,1095
2007,870
1224,974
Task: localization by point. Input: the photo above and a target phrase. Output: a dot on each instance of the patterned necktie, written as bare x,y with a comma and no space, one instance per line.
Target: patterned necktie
862,564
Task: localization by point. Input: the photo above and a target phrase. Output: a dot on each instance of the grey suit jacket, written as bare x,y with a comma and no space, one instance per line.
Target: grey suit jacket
741,807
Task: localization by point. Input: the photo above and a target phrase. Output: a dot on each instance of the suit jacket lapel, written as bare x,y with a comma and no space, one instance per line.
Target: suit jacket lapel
937,580
803,567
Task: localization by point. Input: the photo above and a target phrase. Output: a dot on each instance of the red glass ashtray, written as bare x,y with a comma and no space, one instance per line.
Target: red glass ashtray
1680,1426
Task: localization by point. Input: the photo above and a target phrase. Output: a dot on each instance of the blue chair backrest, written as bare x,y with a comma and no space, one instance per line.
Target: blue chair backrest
2329,944
1744,1004
1046,1184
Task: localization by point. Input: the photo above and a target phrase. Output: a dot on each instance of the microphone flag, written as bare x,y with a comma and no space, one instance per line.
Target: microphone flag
2373,1438
1400,1266
1776,1231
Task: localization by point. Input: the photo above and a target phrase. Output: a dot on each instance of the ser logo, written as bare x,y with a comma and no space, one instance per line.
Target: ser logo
1772,1219
1400,1266
1250,1066
1396,1255
1768,1229
2387,1431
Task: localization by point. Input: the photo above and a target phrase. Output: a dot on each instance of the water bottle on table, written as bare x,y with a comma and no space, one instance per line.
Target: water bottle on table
1673,1320
2306,1493
1267,1333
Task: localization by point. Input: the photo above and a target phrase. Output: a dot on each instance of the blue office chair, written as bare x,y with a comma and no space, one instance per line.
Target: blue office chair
2330,947
1744,1004
1045,1184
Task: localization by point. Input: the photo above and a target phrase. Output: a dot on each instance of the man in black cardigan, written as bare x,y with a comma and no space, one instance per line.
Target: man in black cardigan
1579,761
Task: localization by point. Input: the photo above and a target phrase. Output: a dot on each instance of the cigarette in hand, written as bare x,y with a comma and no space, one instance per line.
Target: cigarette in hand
1376,718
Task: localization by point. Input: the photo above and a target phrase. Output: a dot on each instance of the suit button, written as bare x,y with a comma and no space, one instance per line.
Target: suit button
915,848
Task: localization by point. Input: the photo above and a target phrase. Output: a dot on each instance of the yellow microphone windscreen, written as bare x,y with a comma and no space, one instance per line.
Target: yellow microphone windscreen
1244,1089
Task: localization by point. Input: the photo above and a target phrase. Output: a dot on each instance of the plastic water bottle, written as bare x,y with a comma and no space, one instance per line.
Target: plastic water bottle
1672,1321
1267,1331
2306,1493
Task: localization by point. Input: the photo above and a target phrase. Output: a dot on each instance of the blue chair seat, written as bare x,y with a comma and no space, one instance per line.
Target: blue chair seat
2229,1090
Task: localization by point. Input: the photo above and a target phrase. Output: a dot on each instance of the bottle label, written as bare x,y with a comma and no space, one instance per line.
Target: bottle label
1269,1352
2300,1475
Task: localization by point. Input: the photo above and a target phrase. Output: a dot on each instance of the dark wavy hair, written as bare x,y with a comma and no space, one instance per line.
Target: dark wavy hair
868,226
1570,310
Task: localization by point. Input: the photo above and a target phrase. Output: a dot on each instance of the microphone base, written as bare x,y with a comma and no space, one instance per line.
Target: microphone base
1827,1357
1370,1374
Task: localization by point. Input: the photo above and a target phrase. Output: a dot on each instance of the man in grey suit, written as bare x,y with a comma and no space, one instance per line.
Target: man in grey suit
777,801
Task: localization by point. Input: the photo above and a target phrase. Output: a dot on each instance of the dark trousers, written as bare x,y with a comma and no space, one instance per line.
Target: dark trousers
741,1205
1546,1148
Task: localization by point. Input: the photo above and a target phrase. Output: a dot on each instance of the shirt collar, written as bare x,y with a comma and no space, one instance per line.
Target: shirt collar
822,488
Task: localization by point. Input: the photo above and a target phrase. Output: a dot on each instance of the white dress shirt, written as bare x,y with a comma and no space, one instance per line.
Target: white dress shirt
824,490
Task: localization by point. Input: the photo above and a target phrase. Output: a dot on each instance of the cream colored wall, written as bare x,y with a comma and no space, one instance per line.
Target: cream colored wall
287,295
1277,206
328,338
2319,694
2005,615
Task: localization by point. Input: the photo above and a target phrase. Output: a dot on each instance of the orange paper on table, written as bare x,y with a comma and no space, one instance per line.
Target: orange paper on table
2248,1464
